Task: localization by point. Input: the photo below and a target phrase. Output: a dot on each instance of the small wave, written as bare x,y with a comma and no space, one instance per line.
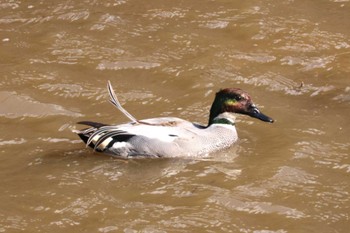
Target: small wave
15,106
121,65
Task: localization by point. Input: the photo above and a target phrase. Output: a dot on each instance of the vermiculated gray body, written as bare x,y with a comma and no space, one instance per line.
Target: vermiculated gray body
163,137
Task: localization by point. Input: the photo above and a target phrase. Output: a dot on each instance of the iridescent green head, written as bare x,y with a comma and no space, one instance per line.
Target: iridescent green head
235,100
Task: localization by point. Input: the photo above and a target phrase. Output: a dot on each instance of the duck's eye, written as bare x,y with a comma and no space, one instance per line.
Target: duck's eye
239,98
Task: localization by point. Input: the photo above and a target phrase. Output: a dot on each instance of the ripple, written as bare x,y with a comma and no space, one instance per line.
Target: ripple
287,179
291,177
9,4
15,141
325,154
311,131
273,81
163,14
120,65
74,16
108,229
344,97
69,49
254,207
79,207
188,220
28,77
345,167
63,90
28,107
215,24
56,140
106,171
309,63
64,222
12,222
71,178
106,21
255,57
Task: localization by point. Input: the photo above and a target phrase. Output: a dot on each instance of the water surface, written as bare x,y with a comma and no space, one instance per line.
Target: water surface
168,58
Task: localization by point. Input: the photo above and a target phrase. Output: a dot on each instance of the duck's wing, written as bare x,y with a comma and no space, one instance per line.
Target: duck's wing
115,102
124,132
104,136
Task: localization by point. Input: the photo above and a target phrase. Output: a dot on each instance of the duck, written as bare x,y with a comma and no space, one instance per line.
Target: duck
171,136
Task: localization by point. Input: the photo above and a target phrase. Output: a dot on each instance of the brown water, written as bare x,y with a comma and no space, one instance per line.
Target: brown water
169,58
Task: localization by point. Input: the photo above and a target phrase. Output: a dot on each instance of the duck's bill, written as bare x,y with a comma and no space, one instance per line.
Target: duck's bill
255,112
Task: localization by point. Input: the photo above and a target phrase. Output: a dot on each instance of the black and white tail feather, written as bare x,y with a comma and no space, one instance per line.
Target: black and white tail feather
101,136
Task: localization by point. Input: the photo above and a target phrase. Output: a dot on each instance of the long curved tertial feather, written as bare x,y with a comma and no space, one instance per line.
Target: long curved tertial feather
114,100
113,135
100,132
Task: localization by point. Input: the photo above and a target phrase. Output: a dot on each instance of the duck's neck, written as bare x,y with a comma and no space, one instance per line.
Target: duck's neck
221,111
215,110
227,118
219,115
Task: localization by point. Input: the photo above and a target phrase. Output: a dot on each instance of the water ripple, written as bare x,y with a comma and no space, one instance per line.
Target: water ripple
29,107
253,207
119,65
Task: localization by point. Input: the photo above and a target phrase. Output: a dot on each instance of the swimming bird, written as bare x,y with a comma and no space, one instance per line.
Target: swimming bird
172,136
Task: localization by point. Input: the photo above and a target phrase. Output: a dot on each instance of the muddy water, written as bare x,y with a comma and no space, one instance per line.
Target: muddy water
169,58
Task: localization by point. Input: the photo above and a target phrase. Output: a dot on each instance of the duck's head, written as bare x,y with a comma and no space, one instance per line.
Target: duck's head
235,100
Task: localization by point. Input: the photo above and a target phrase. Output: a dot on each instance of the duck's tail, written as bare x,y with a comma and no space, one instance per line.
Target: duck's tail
85,134
114,100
